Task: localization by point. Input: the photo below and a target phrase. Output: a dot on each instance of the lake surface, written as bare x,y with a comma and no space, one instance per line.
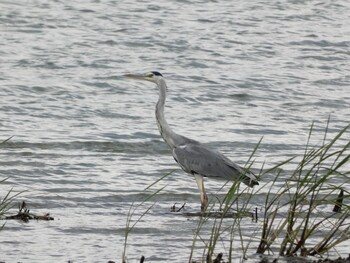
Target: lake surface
85,142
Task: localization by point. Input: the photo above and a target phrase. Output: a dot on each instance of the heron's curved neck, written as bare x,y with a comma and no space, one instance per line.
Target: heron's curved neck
170,137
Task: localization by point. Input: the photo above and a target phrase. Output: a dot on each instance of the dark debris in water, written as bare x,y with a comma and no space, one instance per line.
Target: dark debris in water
219,214
305,260
142,260
25,215
175,209
218,259
338,260
339,203
214,214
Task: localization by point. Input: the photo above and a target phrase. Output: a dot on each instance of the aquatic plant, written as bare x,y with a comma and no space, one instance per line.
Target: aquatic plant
6,201
298,218
131,222
306,201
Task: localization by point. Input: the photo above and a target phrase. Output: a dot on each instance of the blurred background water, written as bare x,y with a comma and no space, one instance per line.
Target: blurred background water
85,139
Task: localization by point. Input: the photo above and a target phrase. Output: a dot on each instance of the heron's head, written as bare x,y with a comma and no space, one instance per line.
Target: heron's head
152,76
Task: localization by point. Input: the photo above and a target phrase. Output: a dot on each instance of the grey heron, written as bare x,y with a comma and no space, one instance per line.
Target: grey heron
192,156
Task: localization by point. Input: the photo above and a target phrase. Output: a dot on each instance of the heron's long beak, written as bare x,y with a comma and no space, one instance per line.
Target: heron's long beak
136,76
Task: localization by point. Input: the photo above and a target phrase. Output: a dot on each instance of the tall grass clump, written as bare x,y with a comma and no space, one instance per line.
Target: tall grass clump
309,214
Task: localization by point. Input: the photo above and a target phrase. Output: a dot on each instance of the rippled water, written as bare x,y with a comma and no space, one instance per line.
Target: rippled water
85,139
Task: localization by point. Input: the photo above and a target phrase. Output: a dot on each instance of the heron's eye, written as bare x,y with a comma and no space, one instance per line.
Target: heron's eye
149,75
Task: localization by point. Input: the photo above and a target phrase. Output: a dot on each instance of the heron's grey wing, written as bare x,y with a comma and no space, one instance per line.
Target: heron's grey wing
196,158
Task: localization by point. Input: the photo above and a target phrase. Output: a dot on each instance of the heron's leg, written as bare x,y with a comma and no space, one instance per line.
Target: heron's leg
204,197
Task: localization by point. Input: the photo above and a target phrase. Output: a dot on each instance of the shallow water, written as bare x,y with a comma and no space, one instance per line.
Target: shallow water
85,139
